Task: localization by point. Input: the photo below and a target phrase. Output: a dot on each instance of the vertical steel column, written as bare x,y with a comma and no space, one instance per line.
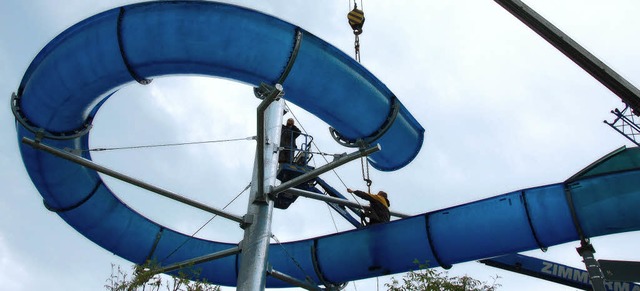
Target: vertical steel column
257,229
586,250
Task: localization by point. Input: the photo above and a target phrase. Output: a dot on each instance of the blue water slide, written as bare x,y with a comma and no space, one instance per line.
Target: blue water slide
70,78
139,42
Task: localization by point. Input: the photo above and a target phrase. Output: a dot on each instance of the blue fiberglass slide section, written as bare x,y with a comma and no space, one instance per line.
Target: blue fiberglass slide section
68,80
550,213
596,196
509,223
514,222
89,60
77,71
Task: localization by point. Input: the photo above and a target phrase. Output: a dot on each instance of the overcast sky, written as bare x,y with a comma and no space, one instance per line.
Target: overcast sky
503,110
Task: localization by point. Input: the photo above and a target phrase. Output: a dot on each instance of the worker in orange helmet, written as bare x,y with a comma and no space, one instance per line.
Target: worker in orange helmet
379,204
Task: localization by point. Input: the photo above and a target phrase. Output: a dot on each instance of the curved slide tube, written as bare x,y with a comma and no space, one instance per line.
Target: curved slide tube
78,70
61,87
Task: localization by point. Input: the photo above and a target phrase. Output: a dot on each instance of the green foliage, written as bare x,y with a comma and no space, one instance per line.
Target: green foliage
433,280
146,276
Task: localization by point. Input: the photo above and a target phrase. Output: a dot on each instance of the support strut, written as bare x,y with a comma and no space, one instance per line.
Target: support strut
586,250
574,51
91,165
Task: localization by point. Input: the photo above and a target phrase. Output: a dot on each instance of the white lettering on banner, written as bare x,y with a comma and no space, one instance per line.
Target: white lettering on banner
582,276
619,286
566,272
608,285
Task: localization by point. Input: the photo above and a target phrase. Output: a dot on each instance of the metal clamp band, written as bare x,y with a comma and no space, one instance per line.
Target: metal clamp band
155,244
432,247
134,75
316,267
265,89
533,230
292,57
363,142
40,132
74,206
572,209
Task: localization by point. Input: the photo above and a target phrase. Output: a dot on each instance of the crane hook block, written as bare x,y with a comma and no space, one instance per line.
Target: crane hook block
356,20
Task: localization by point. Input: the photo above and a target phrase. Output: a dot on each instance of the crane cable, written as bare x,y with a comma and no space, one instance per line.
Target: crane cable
365,173
356,21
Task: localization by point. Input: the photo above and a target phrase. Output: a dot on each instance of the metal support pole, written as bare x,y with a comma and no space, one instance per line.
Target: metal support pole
91,165
328,167
260,136
257,232
199,260
586,250
293,281
330,199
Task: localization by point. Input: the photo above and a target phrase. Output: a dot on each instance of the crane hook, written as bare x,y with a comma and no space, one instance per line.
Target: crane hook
356,20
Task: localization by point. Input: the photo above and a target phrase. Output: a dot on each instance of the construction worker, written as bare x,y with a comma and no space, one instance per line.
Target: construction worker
288,141
379,204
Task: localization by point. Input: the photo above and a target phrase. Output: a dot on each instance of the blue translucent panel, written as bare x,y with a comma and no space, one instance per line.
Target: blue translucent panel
608,204
206,38
340,83
71,72
353,101
61,183
550,215
399,141
354,251
114,226
89,60
374,251
482,229
621,160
